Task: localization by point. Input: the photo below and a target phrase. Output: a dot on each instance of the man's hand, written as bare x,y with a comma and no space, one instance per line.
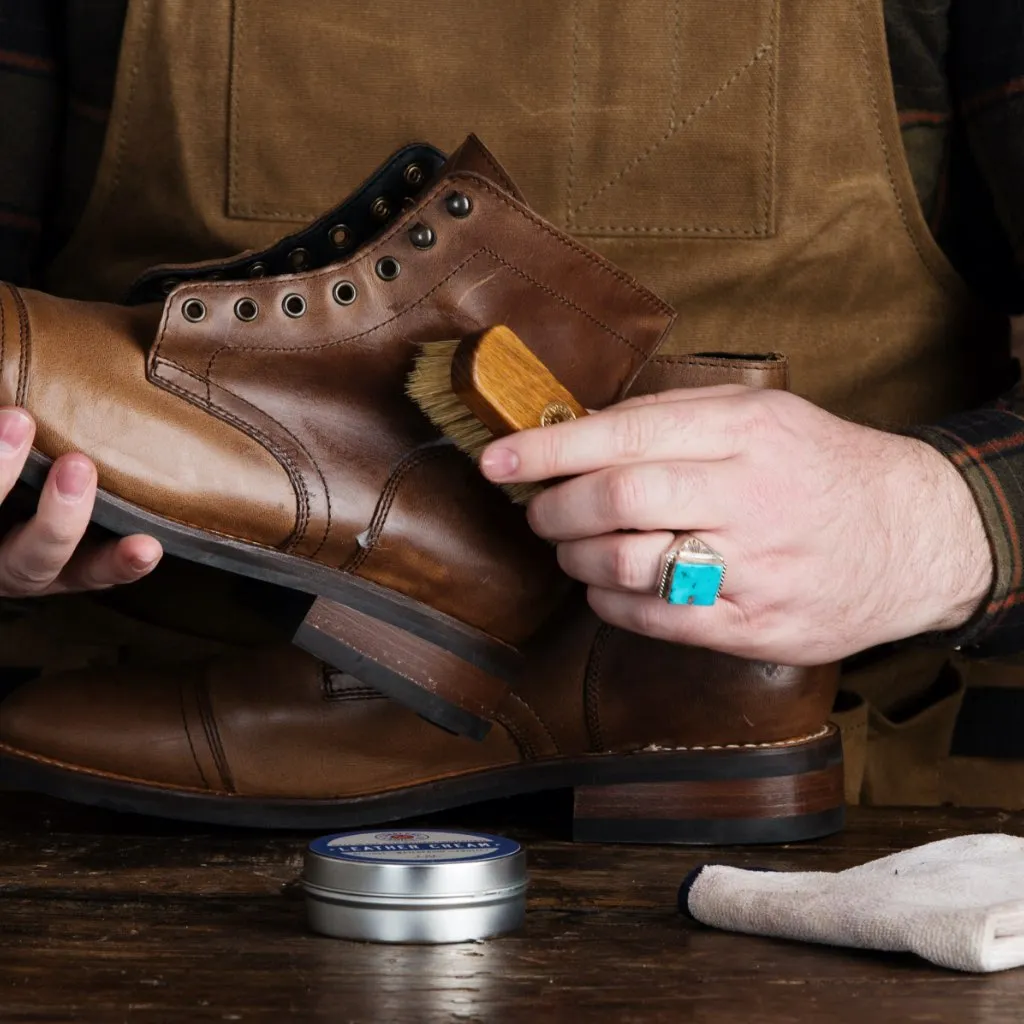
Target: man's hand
837,537
43,555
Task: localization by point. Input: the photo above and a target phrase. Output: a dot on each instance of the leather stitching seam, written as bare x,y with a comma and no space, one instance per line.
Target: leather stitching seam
592,687
283,457
522,705
188,736
385,502
23,355
213,734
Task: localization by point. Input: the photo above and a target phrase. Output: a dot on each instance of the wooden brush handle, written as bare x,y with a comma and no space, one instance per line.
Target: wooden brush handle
506,386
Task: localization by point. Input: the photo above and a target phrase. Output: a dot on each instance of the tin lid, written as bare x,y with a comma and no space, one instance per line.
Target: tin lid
415,864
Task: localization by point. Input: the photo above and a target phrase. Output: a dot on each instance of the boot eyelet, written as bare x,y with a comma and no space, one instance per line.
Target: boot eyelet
459,205
298,259
340,235
169,285
193,310
258,270
380,208
247,310
294,306
413,175
421,236
345,293
388,268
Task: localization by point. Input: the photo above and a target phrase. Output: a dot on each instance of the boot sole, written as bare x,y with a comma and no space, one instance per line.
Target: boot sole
420,632
742,795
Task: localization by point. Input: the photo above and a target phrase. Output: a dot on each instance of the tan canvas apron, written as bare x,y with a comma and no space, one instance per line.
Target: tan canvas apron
742,159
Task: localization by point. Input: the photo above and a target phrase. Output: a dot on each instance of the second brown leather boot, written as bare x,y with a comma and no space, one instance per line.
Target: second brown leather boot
660,743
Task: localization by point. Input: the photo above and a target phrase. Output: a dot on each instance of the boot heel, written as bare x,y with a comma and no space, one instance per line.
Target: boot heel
779,794
451,691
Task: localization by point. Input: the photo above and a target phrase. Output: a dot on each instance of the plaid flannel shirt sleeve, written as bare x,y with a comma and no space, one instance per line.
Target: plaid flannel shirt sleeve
987,445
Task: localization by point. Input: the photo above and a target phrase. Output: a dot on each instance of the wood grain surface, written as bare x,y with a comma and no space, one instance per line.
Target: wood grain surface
107,918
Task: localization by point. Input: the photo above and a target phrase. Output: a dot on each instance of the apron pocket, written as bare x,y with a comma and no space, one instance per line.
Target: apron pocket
602,112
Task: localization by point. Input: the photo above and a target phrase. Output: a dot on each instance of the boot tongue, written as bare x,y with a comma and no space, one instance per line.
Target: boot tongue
474,156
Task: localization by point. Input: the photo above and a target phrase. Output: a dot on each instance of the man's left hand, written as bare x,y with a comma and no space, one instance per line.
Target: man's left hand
837,537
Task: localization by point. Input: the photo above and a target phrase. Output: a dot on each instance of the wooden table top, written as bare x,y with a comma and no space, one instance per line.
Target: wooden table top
107,918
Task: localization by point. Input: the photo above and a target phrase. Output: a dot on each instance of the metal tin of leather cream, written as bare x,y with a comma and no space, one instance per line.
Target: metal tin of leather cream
414,886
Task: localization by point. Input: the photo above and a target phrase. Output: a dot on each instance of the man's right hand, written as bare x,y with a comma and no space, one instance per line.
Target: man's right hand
46,555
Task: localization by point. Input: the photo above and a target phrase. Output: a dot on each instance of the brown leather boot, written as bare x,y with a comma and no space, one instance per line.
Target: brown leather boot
260,425
660,743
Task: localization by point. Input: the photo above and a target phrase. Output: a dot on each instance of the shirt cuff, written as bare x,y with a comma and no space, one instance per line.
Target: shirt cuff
987,447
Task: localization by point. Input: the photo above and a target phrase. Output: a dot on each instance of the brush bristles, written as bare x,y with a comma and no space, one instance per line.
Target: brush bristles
430,387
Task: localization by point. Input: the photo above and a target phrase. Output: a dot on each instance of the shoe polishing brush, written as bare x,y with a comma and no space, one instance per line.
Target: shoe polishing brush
486,386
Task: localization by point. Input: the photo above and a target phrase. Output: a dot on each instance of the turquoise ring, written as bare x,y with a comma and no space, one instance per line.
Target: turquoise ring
691,572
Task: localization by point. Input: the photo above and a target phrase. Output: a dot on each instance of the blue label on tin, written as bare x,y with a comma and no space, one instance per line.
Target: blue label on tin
409,847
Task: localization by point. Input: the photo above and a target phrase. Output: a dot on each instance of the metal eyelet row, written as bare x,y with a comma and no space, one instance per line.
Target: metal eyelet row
293,305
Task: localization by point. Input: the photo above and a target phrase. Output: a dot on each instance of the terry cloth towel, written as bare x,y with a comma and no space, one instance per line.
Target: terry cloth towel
958,902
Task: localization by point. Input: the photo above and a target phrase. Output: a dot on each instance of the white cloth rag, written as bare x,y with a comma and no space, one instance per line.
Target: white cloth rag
958,903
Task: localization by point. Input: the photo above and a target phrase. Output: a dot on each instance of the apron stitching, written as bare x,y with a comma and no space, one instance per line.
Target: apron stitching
759,55
574,114
769,152
133,79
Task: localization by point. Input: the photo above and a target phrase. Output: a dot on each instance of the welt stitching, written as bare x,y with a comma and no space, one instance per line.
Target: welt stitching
23,355
386,500
294,474
795,741
655,146
592,686
574,114
886,154
213,734
188,736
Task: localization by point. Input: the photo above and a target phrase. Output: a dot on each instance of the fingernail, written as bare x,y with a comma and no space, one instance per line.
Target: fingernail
498,463
73,478
141,563
15,426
